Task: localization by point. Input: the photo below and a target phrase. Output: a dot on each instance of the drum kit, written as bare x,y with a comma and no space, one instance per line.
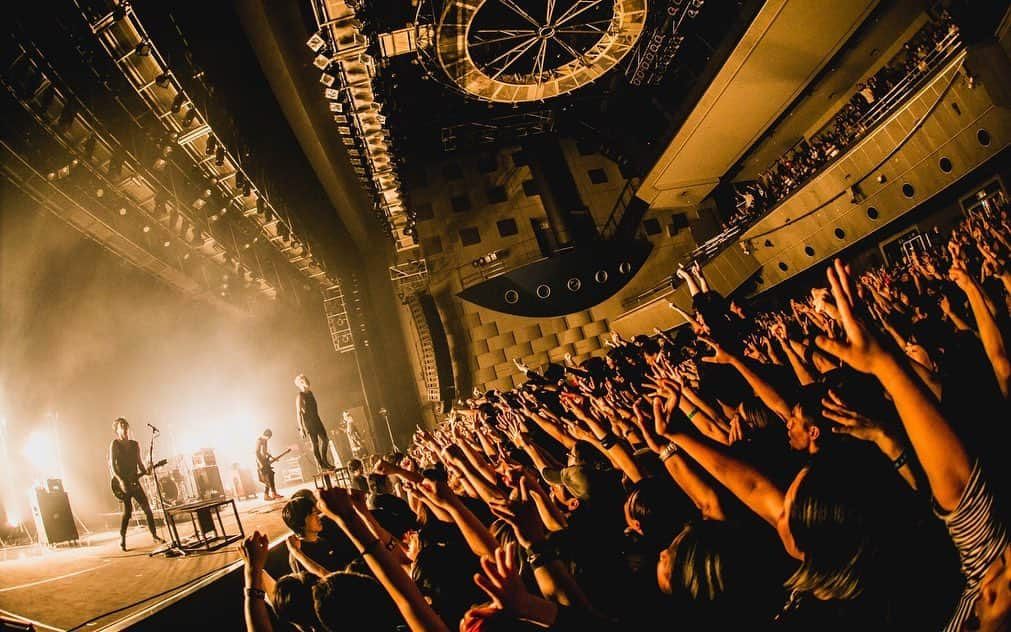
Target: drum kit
175,480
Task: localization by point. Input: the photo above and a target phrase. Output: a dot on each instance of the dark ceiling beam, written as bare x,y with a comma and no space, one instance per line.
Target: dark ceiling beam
277,36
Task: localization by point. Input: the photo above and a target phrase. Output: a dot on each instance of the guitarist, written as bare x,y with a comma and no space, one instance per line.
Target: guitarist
263,465
127,467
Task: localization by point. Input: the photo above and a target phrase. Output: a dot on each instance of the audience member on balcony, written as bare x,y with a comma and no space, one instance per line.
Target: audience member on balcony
871,101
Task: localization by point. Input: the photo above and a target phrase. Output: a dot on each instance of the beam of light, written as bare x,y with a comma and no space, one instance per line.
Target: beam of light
41,451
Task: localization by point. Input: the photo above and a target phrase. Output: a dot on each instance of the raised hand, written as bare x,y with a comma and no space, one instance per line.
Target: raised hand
254,551
501,581
849,421
521,514
720,355
861,350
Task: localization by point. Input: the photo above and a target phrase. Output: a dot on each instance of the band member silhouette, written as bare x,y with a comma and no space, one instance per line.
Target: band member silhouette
309,423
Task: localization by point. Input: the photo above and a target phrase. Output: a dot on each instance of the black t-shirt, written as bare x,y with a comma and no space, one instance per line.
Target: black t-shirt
333,551
125,457
308,413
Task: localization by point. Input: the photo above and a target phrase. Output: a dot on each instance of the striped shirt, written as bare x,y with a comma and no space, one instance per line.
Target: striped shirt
979,536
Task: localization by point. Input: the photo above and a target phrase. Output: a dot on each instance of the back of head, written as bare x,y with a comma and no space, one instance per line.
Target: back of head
339,597
660,508
293,602
443,573
355,466
727,579
847,517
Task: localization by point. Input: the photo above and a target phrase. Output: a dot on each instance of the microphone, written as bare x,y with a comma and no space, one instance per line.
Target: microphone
152,428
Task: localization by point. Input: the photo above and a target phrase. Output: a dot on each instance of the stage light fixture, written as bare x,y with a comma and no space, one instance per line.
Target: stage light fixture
143,48
327,79
321,62
162,80
316,42
167,244
160,164
191,115
122,210
186,256
332,93
212,145
99,192
147,229
219,156
336,106
177,102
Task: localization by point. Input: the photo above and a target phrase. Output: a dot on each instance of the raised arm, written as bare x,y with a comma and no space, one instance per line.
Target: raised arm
942,455
765,391
419,615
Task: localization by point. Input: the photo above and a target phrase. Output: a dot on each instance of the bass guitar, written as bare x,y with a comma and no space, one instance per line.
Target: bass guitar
263,467
117,489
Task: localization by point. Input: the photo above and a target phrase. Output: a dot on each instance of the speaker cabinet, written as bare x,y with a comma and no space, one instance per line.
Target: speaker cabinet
208,481
54,521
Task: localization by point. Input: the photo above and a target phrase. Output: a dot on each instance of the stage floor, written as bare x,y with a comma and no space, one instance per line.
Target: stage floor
62,588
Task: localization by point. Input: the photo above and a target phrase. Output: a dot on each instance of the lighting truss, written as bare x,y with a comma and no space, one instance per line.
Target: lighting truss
345,45
90,148
120,34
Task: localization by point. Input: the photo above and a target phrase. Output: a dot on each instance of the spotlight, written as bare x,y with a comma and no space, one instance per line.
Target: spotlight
316,43
160,164
177,102
147,229
191,115
122,210
186,256
143,49
162,80
219,156
167,244
212,145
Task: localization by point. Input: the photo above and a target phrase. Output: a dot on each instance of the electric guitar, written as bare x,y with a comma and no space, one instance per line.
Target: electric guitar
117,489
262,467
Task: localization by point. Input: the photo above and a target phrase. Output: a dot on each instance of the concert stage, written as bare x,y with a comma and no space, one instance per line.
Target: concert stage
96,583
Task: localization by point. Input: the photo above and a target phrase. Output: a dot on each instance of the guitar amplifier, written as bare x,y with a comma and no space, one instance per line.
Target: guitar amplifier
208,481
54,521
204,458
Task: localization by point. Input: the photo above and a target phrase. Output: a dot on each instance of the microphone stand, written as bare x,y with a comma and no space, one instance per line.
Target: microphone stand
172,548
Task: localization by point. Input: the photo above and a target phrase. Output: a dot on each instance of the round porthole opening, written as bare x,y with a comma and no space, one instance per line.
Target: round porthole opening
543,291
983,137
872,213
600,276
840,233
768,243
512,297
908,190
783,266
945,164
809,251
624,267
574,284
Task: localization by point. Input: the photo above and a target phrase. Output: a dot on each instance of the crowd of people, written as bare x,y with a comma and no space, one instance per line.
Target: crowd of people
871,100
831,465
